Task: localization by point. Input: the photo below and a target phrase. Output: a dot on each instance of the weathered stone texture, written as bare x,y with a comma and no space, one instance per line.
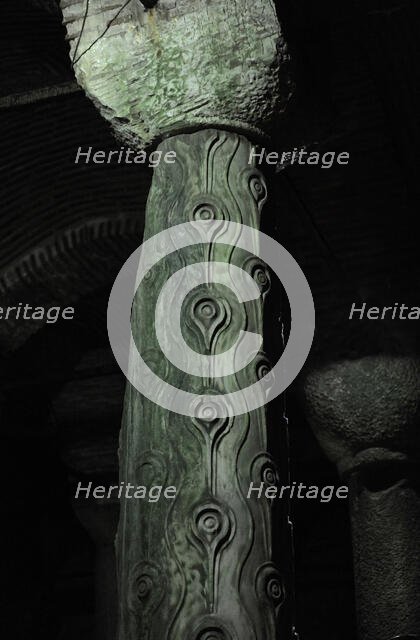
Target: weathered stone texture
201,566
181,65
365,413
365,408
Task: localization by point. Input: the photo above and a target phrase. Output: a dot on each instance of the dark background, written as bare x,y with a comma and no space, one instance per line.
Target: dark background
66,230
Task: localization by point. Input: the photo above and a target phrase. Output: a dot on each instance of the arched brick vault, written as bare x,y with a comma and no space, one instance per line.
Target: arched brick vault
66,229
64,269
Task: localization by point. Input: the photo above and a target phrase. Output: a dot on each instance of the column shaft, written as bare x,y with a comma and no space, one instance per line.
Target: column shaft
199,567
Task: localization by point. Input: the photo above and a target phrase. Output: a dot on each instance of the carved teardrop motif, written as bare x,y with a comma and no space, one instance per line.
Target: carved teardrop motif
213,634
212,524
206,210
269,586
211,628
147,586
206,417
264,469
202,581
213,528
210,315
258,188
259,272
152,468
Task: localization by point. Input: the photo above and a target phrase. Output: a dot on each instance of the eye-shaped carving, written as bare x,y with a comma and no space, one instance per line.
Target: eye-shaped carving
264,372
269,586
269,476
211,628
205,211
259,271
206,416
205,207
212,524
212,634
208,316
265,469
261,276
146,588
258,188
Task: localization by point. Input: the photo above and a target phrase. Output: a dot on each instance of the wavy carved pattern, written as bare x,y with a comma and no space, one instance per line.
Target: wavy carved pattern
213,546
213,527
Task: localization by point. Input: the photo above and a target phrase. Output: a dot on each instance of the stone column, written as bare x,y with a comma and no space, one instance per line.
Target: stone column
208,77
200,566
99,517
365,414
91,463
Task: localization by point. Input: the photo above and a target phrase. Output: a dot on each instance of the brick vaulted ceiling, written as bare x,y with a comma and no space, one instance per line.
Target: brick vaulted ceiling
352,228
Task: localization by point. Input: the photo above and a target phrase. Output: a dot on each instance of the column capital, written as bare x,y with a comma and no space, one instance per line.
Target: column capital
181,66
